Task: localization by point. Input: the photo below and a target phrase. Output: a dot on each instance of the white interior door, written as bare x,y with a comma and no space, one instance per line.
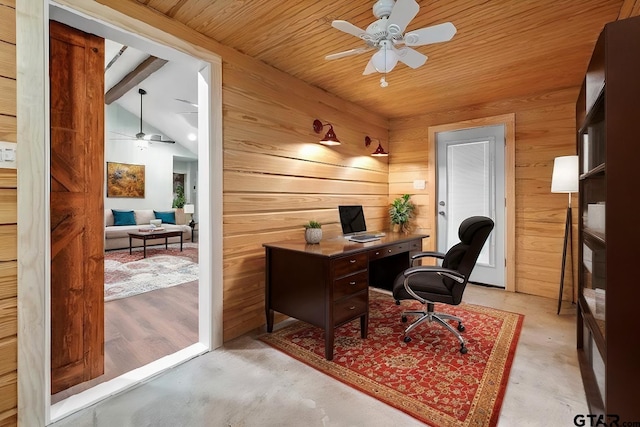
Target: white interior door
470,179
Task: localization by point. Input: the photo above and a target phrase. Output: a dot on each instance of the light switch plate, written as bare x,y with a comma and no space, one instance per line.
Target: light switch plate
419,184
8,155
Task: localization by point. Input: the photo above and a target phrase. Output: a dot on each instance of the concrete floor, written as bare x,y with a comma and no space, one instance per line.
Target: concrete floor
247,383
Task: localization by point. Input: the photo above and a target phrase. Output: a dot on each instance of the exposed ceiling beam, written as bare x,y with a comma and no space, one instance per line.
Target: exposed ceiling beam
141,72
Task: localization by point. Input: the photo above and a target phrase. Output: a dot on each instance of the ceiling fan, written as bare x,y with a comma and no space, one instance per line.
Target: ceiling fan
386,36
141,136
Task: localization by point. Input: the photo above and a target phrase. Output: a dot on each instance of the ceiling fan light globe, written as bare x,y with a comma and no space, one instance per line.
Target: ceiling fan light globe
384,60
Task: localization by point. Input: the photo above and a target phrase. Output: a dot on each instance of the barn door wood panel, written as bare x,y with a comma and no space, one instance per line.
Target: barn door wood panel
77,206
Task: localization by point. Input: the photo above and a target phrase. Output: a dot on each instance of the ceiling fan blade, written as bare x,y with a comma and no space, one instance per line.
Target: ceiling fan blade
429,35
126,136
410,57
193,104
401,14
347,53
349,28
370,68
158,138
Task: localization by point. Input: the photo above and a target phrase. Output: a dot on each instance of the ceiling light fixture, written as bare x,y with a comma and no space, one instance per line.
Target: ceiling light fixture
330,137
384,60
379,151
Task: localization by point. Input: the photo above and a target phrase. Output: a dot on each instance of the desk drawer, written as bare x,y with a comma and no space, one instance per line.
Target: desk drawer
349,265
350,308
350,285
415,245
389,250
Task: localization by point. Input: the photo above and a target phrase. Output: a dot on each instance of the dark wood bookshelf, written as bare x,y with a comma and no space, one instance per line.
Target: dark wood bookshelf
607,115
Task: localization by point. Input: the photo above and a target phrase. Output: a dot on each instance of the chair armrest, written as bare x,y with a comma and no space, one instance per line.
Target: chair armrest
430,254
434,269
428,269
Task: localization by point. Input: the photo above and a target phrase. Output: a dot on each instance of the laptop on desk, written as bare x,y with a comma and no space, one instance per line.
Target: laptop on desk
353,224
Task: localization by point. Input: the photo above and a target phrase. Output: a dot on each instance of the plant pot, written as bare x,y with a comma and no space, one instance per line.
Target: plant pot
180,216
395,228
313,235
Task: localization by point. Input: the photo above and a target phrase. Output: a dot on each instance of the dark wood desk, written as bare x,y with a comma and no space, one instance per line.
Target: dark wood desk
326,284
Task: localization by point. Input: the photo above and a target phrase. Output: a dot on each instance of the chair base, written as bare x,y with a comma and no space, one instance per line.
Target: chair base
440,318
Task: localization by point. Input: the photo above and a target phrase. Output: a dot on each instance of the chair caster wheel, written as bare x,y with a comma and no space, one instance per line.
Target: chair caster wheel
407,339
463,350
397,302
404,319
461,327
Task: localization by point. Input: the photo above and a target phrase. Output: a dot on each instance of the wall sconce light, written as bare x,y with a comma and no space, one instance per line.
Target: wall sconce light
330,138
379,151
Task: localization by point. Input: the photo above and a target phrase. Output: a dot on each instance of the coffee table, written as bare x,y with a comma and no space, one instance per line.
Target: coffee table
151,235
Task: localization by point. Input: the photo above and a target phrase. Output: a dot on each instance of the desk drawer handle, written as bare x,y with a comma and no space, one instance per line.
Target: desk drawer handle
389,250
377,253
353,307
352,261
352,283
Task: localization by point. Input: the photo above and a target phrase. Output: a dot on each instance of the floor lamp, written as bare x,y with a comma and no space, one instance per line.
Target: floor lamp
565,180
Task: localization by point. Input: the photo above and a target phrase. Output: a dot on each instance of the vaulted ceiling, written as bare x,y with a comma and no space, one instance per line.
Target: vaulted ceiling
502,49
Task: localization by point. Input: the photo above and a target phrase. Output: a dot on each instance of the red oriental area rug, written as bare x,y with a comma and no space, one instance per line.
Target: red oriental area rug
428,378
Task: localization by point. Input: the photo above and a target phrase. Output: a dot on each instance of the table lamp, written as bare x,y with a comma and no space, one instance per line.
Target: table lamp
189,209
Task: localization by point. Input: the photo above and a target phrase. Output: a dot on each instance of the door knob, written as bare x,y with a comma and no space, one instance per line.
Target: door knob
441,213
441,203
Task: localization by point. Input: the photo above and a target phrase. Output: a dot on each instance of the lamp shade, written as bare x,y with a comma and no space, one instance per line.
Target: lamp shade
330,138
565,175
379,152
189,209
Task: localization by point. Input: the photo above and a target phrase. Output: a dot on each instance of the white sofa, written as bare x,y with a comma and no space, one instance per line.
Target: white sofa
117,237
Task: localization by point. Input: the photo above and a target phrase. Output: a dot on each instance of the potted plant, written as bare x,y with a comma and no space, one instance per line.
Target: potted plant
400,212
179,200
313,232
178,203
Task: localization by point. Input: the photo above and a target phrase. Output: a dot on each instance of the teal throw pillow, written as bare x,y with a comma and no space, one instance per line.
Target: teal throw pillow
166,217
123,217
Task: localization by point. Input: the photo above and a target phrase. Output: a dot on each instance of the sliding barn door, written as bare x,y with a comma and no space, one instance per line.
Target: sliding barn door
77,206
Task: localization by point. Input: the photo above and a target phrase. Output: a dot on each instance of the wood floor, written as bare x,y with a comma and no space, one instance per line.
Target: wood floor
144,328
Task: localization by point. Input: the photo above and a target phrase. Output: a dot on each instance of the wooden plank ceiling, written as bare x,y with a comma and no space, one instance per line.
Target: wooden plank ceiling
503,49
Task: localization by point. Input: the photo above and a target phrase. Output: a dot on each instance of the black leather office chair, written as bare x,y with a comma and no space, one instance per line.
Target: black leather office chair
446,283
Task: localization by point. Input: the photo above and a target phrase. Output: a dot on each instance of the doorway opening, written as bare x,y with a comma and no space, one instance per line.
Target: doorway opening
34,389
471,182
469,149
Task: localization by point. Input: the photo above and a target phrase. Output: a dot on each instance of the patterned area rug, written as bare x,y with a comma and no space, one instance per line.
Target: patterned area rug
428,378
127,275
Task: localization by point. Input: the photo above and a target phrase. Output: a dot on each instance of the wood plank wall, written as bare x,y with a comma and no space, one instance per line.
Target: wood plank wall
8,221
277,177
545,129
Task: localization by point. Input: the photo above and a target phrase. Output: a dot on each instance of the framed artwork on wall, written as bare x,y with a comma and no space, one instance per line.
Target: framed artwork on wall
125,180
